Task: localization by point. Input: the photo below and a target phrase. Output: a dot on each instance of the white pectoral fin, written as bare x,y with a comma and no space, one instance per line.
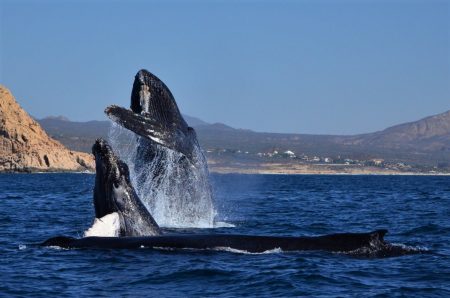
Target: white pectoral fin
140,124
107,226
173,137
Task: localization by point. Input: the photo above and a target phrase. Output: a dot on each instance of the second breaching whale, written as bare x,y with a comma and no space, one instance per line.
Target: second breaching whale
118,209
167,166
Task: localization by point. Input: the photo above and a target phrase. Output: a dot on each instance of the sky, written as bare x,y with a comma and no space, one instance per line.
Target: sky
318,67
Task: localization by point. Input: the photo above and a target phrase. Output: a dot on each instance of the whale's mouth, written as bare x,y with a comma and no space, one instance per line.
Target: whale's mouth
152,98
110,173
115,197
154,115
107,163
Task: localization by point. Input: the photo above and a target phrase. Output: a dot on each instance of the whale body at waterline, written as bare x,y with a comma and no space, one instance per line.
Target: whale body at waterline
370,244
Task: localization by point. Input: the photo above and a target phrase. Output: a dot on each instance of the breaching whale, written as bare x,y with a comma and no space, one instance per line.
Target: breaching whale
113,194
156,119
167,165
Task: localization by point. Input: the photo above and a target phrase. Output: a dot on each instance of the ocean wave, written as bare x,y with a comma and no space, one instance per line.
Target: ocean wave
429,228
222,224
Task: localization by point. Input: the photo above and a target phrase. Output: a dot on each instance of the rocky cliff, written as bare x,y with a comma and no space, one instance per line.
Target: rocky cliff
25,146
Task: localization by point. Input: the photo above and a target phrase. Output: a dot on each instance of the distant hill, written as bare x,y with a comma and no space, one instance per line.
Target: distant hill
428,134
81,135
193,121
60,117
426,141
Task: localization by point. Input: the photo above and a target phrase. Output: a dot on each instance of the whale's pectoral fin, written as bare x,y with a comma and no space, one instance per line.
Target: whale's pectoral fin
151,129
139,124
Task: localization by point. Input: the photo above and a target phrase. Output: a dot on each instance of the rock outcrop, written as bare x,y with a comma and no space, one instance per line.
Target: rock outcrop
26,147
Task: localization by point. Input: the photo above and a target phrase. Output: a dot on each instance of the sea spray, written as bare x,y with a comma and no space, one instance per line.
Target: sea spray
174,189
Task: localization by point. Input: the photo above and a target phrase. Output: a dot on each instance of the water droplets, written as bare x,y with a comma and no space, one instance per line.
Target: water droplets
175,191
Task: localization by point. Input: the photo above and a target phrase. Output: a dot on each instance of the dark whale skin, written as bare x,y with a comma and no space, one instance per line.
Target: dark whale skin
341,242
113,192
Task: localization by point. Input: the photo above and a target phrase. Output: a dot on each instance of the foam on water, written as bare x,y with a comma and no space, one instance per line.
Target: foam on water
240,251
222,224
389,250
417,248
175,191
107,226
220,248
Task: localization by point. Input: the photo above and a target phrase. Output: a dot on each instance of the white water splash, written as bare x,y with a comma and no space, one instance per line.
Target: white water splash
222,224
58,247
410,248
221,248
385,250
239,251
175,191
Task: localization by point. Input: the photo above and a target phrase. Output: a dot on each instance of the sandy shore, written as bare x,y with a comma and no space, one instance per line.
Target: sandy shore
298,169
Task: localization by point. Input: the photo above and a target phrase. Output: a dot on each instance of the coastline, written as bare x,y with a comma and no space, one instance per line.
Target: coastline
272,169
330,174
286,169
256,172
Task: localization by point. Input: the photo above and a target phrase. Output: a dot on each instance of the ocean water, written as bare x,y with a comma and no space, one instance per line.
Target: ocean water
415,210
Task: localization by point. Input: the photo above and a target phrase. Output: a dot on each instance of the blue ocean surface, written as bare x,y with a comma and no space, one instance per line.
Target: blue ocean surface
415,210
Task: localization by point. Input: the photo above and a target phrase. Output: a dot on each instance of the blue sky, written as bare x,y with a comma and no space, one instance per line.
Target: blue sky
328,67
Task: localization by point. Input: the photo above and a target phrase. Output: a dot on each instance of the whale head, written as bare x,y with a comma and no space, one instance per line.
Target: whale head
154,115
113,193
151,97
111,174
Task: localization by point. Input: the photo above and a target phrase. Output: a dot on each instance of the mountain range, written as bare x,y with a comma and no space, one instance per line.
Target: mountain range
422,142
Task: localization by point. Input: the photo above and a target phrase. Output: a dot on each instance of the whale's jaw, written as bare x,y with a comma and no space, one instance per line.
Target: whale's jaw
110,171
113,193
150,96
155,116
